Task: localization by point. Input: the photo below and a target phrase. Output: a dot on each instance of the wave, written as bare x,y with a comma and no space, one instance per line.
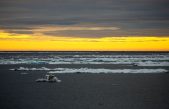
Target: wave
150,63
138,60
90,70
86,70
146,63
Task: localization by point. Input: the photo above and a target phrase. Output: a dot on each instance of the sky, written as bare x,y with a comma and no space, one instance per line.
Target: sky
84,25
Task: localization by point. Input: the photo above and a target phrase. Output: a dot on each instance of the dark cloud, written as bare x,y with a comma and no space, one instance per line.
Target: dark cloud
108,33
19,32
133,17
93,34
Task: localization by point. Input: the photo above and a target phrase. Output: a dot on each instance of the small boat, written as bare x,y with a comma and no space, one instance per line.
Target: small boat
49,78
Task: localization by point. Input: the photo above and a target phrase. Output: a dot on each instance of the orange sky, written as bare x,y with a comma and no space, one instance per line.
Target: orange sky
38,42
84,25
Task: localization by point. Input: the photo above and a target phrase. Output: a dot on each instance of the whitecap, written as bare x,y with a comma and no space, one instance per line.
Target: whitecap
87,70
91,70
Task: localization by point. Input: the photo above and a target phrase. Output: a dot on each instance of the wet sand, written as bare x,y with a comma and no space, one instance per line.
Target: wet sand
83,91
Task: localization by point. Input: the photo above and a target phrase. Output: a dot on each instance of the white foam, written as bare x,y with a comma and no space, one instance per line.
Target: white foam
139,63
140,60
37,69
86,70
150,63
90,70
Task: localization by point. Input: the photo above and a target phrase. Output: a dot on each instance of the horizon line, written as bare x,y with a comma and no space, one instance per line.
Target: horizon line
83,51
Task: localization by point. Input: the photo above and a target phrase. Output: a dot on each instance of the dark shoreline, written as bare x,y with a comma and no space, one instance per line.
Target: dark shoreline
84,91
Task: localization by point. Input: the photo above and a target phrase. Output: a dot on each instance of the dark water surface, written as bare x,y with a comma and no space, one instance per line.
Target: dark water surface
84,91
92,90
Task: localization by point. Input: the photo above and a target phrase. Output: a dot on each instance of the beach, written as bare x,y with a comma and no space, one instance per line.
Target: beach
83,91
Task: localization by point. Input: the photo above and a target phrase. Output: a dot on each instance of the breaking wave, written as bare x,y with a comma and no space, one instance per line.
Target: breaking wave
138,60
88,62
91,70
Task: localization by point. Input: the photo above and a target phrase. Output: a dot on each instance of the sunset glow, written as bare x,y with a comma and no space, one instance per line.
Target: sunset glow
15,42
84,25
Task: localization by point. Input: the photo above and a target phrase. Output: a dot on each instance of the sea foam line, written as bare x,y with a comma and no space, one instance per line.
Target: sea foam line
125,61
90,70
86,70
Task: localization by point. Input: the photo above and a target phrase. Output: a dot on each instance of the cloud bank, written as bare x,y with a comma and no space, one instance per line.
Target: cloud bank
86,18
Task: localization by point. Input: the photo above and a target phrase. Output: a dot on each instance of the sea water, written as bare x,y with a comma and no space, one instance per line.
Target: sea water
88,62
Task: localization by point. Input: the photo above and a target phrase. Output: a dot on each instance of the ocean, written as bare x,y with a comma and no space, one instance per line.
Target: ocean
89,80
88,62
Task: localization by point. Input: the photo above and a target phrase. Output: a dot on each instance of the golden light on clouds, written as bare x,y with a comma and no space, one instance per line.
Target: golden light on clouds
84,25
16,42
73,28
4,36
